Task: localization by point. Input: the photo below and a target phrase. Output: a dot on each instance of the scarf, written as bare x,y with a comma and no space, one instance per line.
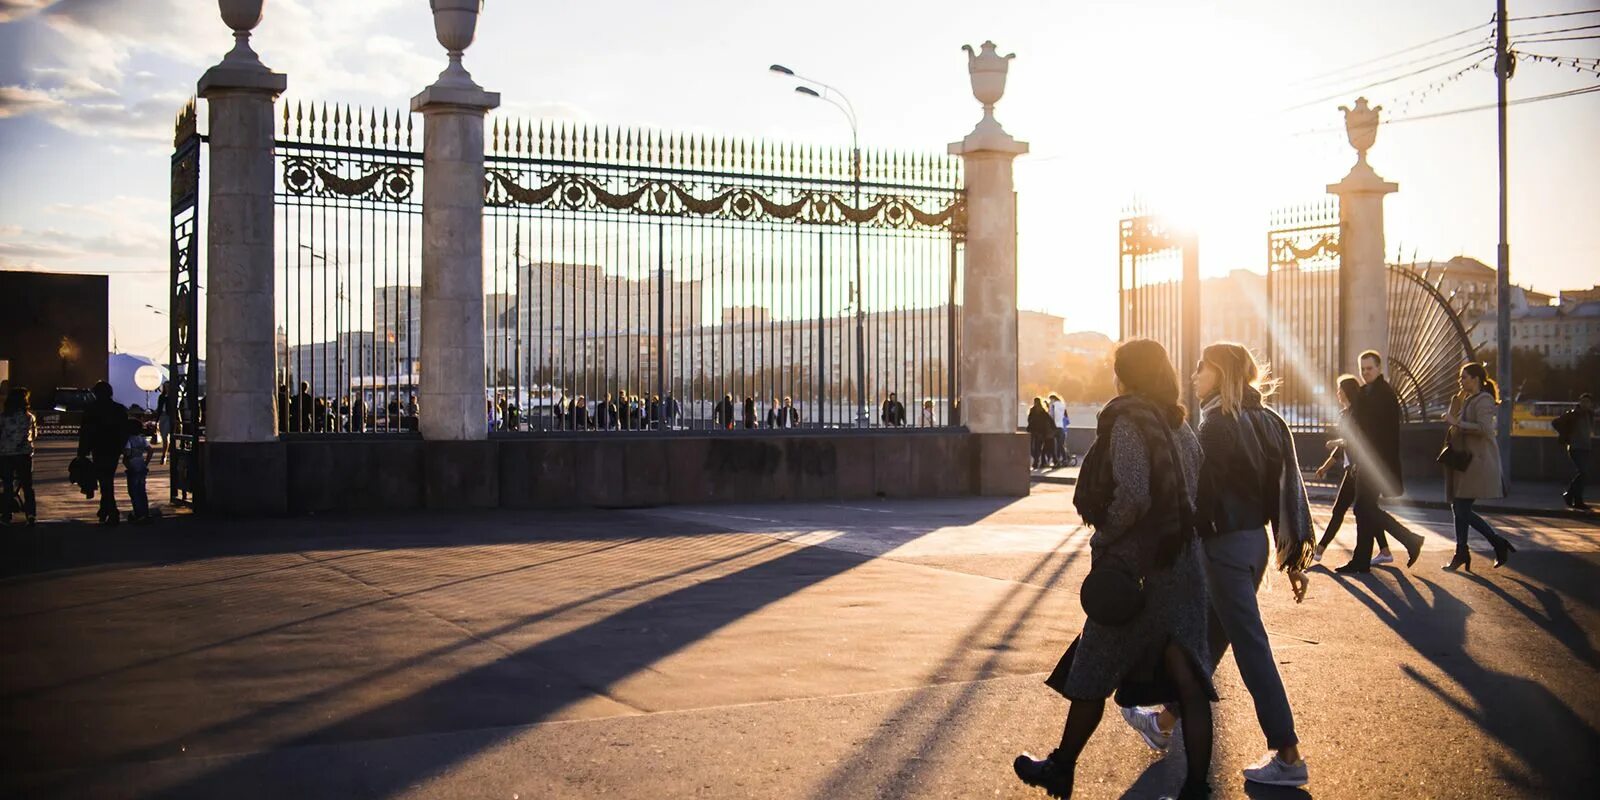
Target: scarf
1096,482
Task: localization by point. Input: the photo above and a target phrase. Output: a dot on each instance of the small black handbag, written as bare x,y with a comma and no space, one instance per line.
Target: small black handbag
1113,593
1453,458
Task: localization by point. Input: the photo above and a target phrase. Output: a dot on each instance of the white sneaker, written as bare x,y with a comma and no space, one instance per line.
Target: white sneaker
1383,558
1273,771
1144,723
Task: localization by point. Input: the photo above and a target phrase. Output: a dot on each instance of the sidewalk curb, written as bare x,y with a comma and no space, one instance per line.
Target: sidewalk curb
1408,502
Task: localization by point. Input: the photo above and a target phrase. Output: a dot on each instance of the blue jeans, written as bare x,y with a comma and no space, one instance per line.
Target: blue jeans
136,492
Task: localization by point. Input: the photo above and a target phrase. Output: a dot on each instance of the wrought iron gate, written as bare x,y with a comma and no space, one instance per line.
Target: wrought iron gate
183,316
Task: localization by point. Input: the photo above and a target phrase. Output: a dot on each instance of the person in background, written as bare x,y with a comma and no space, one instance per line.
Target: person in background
1338,454
579,419
513,416
1058,415
655,412
19,429
928,420
1041,433
893,413
1375,450
674,410
723,413
136,466
788,415
358,413
1472,419
749,412
164,416
1575,429
101,437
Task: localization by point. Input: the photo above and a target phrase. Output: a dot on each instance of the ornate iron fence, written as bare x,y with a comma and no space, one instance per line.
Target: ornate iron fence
1302,300
349,315
642,279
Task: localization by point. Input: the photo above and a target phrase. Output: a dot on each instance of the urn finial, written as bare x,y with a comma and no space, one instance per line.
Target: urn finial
242,16
455,24
987,68
1361,127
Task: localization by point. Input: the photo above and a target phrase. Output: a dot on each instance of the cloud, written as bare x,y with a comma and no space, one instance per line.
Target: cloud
15,101
17,9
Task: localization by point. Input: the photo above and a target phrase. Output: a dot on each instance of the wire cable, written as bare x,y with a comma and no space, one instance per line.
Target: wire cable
1387,56
1556,39
1552,16
1375,84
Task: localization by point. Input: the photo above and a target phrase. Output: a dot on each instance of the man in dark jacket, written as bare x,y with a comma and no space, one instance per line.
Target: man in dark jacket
101,437
893,413
1375,451
1575,428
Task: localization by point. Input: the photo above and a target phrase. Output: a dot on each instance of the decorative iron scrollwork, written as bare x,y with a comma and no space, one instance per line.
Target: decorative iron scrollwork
662,197
320,177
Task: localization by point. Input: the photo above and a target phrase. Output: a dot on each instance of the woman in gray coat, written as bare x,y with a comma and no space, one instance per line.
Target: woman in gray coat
1472,429
1136,488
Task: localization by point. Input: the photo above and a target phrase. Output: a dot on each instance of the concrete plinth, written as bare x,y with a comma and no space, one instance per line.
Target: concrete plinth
451,391
1363,275
239,353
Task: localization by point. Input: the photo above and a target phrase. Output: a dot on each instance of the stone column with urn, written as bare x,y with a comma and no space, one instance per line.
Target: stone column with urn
451,381
241,425
988,360
1363,276
451,393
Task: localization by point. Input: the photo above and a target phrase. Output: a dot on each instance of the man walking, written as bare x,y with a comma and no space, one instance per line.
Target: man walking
1375,450
1576,430
101,438
1058,415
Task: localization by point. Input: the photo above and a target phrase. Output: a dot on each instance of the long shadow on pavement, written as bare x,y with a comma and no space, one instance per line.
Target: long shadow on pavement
1555,743
491,699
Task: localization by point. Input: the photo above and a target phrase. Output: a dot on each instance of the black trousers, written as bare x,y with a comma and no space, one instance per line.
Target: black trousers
105,474
1580,460
1371,519
1341,505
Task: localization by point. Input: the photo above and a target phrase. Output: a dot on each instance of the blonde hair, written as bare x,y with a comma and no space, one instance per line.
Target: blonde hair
1237,368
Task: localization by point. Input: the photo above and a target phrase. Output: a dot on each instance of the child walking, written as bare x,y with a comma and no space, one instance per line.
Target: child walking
136,461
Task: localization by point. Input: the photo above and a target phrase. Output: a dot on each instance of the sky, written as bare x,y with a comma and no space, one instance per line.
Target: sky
1212,112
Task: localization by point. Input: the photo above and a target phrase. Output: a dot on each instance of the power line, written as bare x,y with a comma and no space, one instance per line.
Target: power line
1475,47
1386,57
1552,16
1536,99
1561,30
1337,95
1557,39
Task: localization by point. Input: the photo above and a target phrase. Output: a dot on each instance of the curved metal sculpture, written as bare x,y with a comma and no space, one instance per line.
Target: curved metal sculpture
1427,342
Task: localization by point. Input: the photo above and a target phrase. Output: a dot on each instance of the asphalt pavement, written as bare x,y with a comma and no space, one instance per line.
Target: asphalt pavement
848,650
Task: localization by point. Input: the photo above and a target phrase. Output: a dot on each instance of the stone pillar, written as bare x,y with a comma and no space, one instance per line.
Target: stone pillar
988,367
239,355
1363,275
451,394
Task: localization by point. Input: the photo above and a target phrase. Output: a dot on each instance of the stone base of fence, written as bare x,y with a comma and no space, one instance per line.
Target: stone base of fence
373,474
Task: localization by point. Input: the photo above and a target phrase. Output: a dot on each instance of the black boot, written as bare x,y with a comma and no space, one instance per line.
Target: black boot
1046,773
1462,560
1502,551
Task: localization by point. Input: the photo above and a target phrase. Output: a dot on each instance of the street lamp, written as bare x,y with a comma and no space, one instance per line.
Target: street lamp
844,105
338,317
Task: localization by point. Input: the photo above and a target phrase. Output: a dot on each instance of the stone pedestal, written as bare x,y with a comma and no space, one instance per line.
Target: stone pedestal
239,391
451,391
1363,276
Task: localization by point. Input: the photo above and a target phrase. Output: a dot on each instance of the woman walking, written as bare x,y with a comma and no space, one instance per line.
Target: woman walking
1339,452
1250,478
1041,433
1472,431
18,430
1137,487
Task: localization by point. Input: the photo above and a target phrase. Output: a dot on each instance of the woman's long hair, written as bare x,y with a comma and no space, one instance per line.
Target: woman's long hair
1145,370
1349,385
1038,403
17,400
1239,370
1477,370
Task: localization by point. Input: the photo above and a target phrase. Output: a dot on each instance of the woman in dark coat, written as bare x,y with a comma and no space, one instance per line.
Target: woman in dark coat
1041,431
749,412
1137,489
